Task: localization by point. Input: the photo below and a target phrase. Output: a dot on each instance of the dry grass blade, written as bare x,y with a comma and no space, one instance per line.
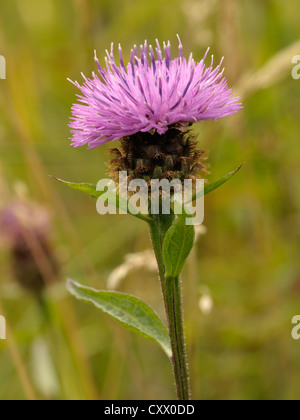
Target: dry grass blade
276,69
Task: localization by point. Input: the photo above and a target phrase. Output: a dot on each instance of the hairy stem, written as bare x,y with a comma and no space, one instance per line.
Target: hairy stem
173,305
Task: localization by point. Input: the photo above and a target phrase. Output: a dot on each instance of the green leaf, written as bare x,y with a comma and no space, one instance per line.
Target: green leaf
177,245
127,310
91,189
86,188
211,187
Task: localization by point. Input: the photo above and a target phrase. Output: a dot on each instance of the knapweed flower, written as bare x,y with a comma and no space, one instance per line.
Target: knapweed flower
24,230
150,105
151,94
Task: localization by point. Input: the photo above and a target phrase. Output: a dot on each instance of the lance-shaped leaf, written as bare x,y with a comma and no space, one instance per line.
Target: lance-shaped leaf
177,245
127,310
112,196
213,186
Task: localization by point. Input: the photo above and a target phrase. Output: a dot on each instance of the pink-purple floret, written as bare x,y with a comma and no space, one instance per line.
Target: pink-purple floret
151,93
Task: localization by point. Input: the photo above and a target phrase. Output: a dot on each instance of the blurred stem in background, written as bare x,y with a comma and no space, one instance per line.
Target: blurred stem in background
18,362
25,231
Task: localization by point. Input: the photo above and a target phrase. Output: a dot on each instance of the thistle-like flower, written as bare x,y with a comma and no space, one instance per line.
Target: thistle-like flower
150,104
149,96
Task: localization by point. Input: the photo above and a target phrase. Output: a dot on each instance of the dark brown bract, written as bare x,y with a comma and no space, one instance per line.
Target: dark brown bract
173,155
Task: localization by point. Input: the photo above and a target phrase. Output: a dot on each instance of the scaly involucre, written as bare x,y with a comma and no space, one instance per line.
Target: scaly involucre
150,94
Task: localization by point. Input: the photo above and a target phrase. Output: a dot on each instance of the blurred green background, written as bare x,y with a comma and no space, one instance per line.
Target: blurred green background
244,271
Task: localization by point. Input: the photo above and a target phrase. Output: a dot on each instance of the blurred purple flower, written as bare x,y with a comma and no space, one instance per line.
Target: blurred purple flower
148,96
20,219
25,230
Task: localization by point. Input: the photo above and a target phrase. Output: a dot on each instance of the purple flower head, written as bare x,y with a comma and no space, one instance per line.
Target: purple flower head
21,219
151,94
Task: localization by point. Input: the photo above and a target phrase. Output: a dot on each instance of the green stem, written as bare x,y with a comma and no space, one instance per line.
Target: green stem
173,304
